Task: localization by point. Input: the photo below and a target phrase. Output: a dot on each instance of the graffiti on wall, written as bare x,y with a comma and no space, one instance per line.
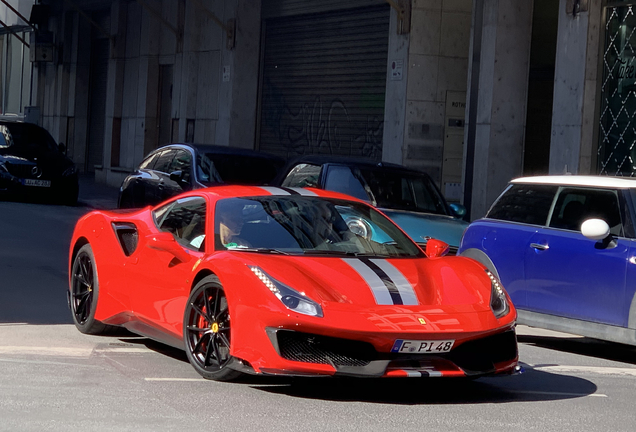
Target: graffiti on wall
319,127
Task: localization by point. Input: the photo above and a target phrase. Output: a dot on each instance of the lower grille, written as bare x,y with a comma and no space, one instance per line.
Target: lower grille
481,355
309,348
474,357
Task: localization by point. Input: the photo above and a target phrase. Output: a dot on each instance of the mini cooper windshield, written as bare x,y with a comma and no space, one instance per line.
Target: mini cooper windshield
307,225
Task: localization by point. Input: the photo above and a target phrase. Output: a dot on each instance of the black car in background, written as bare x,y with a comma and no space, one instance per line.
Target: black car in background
175,168
34,166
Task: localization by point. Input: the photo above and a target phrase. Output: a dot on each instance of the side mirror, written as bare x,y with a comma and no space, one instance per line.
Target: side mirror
164,241
459,210
595,229
598,229
176,176
436,248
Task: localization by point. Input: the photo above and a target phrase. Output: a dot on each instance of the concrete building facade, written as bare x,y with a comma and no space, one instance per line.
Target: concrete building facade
474,92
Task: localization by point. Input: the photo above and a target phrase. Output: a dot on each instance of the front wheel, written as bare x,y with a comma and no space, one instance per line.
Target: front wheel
206,331
84,292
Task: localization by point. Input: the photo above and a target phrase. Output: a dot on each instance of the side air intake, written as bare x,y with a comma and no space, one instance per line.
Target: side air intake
127,236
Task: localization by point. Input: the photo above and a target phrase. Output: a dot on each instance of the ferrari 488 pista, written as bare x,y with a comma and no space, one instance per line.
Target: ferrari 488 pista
274,281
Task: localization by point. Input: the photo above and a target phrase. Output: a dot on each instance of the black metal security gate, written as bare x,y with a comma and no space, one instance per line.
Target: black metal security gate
323,78
617,131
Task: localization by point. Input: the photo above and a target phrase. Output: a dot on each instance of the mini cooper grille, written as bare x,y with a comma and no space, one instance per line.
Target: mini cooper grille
481,355
127,236
309,348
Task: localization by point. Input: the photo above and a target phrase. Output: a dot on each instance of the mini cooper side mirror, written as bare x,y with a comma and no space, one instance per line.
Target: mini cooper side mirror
436,248
164,241
595,229
598,229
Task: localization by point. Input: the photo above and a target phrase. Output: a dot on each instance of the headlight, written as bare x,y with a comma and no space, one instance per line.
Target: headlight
359,227
498,300
292,299
70,171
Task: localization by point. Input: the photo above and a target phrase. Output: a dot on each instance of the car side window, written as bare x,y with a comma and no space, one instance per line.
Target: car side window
164,161
149,162
185,219
303,175
576,205
340,179
524,203
182,161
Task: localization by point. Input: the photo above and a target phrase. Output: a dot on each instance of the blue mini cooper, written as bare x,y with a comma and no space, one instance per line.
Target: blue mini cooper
564,248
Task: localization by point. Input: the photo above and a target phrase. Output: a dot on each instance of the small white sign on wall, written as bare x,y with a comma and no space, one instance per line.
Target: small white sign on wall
453,191
397,67
226,73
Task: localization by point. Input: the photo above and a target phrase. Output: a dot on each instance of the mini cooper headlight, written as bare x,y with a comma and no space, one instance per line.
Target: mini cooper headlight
498,300
292,299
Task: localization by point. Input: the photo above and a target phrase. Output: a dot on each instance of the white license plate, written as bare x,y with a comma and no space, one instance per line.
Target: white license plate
38,183
422,346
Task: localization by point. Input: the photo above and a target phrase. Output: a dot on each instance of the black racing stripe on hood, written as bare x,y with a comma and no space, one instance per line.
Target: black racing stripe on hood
388,282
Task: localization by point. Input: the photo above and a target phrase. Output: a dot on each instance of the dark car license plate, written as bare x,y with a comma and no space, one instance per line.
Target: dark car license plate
38,183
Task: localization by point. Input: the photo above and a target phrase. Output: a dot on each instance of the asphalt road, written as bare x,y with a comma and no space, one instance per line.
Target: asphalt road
53,378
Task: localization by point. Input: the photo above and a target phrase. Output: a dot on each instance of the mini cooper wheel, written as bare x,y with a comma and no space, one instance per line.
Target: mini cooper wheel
206,331
84,292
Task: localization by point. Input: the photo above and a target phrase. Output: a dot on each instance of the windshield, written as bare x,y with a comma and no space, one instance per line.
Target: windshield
28,138
302,225
404,191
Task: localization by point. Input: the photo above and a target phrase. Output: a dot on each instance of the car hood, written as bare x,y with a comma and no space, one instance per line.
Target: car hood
419,225
436,285
15,160
50,161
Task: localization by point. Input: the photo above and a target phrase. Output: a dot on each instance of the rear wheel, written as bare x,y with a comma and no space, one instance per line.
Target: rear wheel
206,331
84,292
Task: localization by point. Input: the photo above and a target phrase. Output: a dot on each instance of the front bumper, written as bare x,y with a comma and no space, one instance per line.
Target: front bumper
494,354
275,344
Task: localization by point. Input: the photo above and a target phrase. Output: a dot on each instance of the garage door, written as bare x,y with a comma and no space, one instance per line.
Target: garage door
323,79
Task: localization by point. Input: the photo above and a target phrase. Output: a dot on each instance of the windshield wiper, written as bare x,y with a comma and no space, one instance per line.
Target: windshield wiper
260,250
336,252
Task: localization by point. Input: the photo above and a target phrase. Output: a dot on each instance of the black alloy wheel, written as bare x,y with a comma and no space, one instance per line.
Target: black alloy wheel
84,292
206,331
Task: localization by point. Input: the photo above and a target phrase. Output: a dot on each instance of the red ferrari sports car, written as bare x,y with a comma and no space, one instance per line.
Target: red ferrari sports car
274,281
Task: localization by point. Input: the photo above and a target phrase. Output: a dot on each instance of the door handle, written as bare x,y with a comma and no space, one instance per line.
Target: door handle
539,246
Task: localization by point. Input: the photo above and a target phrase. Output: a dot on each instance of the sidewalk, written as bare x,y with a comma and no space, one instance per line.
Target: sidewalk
96,195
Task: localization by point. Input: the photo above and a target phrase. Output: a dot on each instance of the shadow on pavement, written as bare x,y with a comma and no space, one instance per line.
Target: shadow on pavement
531,386
584,346
528,387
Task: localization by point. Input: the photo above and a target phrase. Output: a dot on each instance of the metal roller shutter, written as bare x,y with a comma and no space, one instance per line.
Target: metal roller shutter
281,8
324,81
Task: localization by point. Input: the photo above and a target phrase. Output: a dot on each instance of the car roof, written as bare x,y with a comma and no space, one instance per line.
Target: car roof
579,180
238,191
19,123
218,149
350,161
